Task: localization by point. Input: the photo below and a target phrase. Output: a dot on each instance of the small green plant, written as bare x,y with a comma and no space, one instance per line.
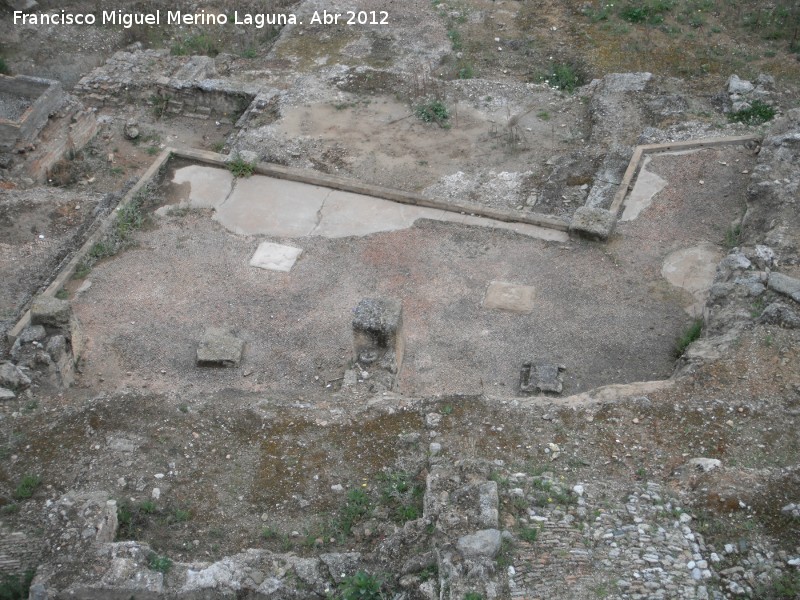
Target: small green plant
240,167
361,586
402,495
26,487
4,70
129,218
249,53
82,270
465,71
433,112
184,408
455,40
16,587
633,13
473,596
62,294
162,564
543,115
356,506
565,76
505,556
732,236
529,534
431,572
201,43
691,334
218,146
785,586
758,113
757,308
180,515
147,507
152,150
160,104
10,509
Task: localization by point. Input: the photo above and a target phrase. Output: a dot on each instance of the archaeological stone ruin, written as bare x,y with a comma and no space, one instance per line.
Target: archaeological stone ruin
442,308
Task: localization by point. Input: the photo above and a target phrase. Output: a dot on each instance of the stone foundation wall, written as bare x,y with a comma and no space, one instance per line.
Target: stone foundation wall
47,96
81,129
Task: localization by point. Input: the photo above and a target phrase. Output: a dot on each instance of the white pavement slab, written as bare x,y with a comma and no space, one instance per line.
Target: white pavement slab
646,187
265,206
345,214
693,269
260,205
275,257
209,186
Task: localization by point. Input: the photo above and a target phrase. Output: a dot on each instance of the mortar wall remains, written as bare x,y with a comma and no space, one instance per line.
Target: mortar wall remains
47,96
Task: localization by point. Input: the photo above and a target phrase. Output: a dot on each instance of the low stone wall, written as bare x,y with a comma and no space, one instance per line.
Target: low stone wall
170,85
47,96
82,127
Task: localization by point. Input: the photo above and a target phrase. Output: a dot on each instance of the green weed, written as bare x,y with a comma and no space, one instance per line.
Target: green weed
785,586
565,76
16,587
402,495
456,42
529,534
465,71
180,515
758,113
356,506
162,564
160,104
240,167
26,487
732,236
361,586
4,69
757,308
433,112
201,43
691,334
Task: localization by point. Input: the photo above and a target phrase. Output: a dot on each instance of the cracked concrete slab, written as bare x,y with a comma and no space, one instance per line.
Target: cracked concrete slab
345,214
261,205
264,206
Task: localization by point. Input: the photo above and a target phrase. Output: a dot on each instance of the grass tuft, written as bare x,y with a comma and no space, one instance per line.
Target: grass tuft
758,113
691,334
26,487
361,586
433,112
240,167
16,587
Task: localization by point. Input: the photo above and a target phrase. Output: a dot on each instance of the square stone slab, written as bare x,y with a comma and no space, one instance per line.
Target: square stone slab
219,348
510,296
541,377
275,257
